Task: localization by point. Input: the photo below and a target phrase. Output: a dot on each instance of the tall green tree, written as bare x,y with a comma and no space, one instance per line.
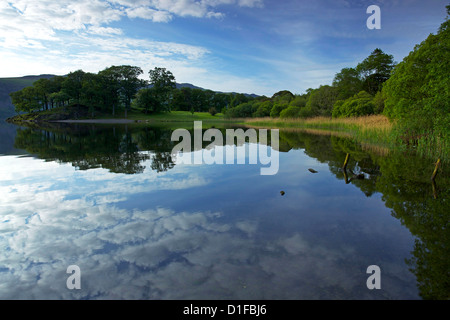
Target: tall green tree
44,89
348,83
321,101
375,70
123,83
110,81
73,85
130,83
163,82
55,87
25,100
264,109
147,100
237,99
91,93
283,97
198,100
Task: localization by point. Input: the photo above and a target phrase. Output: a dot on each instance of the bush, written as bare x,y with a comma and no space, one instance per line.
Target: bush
147,100
321,100
299,101
360,104
290,112
244,110
378,102
212,111
337,109
306,112
276,109
263,109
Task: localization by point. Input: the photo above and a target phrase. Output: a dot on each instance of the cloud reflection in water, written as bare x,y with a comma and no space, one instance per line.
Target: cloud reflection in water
48,222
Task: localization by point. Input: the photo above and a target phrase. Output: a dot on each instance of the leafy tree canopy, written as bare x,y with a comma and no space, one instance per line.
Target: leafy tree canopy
418,92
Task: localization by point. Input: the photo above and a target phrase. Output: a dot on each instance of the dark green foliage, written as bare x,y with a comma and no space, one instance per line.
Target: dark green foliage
146,100
360,104
237,99
73,85
290,112
107,91
283,97
243,110
378,102
10,85
26,100
163,82
348,83
298,101
185,99
375,70
369,76
418,92
212,111
321,101
305,113
277,108
264,109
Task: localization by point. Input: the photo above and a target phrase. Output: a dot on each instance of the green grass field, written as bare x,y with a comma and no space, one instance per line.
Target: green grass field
173,116
136,115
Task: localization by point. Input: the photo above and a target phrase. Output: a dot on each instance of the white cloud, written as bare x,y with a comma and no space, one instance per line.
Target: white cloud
149,14
104,31
58,37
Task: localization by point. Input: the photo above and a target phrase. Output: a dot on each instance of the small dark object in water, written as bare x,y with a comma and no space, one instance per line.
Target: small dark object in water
312,170
359,176
282,193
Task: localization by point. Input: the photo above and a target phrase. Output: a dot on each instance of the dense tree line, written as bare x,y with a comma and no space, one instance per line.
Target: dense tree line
119,88
354,92
109,90
415,93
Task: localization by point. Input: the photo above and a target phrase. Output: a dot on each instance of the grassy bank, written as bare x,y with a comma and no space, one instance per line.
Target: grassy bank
374,130
370,129
82,113
173,116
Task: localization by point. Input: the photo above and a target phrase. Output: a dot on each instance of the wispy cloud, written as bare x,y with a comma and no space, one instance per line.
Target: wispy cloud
246,45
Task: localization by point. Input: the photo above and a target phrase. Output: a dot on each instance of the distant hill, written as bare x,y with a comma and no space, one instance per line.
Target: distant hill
188,85
8,85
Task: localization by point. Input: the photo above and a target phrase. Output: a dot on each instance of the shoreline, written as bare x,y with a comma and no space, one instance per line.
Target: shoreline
108,121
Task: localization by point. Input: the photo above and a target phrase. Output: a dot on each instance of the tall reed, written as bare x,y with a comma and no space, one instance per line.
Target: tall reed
375,130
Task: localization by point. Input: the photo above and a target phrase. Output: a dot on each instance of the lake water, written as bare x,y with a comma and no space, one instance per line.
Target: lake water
140,224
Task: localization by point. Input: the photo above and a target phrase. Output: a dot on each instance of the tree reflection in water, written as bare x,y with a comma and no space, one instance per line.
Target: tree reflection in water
402,178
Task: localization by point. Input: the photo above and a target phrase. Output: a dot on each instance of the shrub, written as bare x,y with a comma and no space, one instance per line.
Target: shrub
263,109
378,102
360,104
290,112
212,111
276,109
244,110
306,112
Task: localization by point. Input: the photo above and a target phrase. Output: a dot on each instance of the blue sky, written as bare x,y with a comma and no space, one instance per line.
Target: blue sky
252,46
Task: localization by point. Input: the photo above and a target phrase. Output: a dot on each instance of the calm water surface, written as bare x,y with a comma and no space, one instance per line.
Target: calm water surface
141,225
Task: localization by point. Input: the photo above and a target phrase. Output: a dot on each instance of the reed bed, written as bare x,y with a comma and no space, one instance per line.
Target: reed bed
373,131
368,129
